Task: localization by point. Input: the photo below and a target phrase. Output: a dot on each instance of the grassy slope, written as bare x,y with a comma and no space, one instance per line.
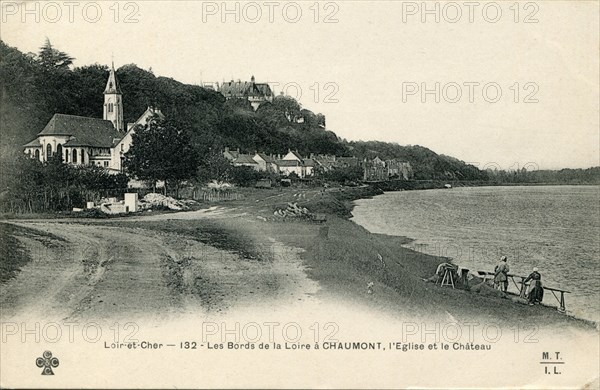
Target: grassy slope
13,254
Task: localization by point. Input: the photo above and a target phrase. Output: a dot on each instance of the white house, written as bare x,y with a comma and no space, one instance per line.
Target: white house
266,163
292,162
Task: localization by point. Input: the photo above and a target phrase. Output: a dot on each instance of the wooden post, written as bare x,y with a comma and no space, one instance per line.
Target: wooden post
523,288
562,307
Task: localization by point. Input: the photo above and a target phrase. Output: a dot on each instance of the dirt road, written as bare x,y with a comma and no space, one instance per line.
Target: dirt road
108,272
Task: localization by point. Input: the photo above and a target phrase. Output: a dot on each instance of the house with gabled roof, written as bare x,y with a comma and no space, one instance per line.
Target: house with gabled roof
90,141
293,162
266,163
245,160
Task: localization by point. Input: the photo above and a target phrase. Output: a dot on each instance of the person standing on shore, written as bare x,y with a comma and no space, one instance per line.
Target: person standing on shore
501,274
536,291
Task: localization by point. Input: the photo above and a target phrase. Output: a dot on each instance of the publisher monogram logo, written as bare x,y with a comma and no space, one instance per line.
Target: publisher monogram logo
47,362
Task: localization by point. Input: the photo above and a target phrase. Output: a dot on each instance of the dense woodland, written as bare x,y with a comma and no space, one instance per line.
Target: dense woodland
34,86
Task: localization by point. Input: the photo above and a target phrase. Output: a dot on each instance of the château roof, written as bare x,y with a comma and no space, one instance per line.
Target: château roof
234,89
84,131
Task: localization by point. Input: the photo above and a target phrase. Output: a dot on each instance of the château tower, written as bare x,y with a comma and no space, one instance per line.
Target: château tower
113,103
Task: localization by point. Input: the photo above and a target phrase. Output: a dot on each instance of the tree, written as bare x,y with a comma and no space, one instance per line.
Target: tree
214,167
50,57
289,106
160,151
239,105
244,176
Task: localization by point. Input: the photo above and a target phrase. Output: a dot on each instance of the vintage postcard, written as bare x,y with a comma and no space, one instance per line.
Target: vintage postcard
299,194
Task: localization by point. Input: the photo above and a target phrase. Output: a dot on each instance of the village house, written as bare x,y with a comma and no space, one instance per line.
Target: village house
266,163
90,141
327,163
231,154
238,159
380,170
292,162
398,169
245,160
255,93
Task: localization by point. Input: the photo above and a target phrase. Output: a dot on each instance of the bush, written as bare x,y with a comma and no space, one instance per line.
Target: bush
244,176
30,186
343,175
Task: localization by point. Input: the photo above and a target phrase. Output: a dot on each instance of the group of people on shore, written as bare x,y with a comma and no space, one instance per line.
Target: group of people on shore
536,290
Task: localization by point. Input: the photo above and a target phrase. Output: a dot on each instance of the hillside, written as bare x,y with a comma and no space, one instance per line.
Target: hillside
35,86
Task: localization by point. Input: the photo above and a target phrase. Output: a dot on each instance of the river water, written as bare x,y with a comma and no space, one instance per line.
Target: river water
554,228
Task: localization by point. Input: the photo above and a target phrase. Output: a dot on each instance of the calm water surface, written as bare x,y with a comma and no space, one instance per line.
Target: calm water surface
554,228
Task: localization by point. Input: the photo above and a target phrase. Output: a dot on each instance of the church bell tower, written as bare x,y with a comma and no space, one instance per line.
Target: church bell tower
113,103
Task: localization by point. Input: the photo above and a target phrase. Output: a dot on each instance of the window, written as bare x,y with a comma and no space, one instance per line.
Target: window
48,151
74,156
59,150
105,164
37,154
67,155
110,107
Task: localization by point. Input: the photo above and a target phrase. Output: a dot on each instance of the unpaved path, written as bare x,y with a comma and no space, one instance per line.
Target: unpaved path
107,272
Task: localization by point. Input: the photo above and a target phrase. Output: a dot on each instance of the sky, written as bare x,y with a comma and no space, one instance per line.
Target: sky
496,84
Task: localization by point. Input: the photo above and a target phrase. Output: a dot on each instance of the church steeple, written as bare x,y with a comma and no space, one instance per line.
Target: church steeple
112,85
113,104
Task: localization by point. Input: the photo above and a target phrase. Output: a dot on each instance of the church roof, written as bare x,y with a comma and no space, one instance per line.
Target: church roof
84,131
33,144
112,85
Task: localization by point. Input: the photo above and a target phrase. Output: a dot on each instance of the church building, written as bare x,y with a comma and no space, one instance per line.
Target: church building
90,141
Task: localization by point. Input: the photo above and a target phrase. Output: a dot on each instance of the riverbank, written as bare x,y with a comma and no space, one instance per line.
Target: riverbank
343,258
347,260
